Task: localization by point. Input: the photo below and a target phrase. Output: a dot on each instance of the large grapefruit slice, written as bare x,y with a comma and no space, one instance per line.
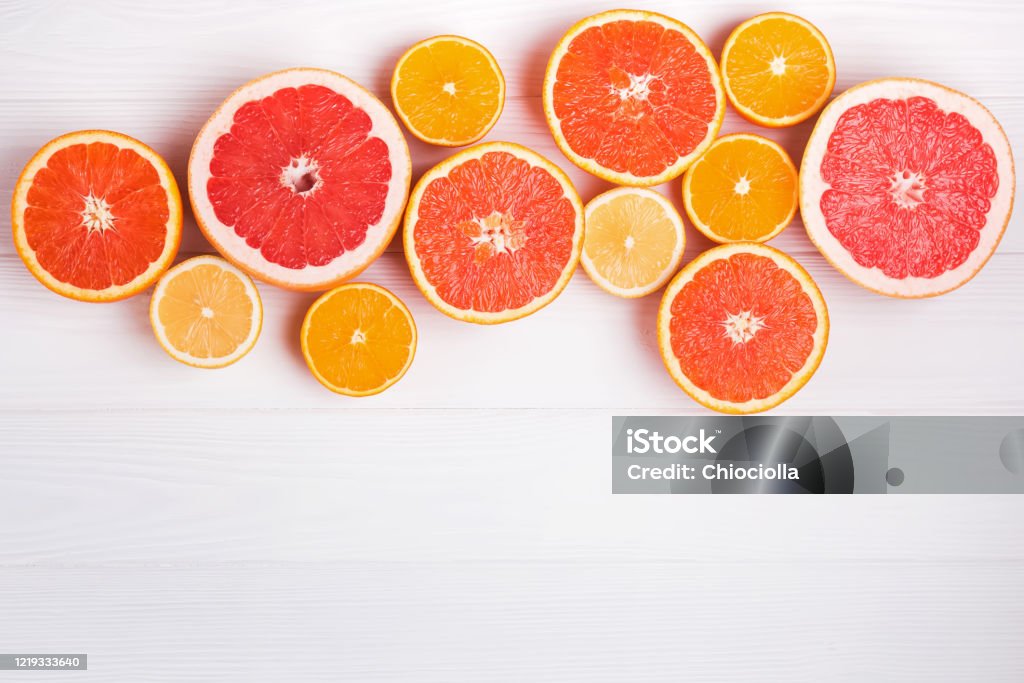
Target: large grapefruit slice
300,178
493,233
742,328
906,186
96,216
633,97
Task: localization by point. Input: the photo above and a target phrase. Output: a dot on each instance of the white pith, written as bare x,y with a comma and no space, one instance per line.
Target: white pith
799,378
184,356
741,327
235,248
96,216
630,242
812,186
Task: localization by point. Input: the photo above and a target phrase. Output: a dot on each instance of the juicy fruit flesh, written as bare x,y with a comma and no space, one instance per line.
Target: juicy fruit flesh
96,215
299,176
448,90
742,327
630,240
910,186
494,234
358,339
742,189
778,68
633,96
206,312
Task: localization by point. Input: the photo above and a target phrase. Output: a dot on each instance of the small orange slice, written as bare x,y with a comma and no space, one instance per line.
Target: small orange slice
744,188
206,313
448,90
96,216
358,339
778,69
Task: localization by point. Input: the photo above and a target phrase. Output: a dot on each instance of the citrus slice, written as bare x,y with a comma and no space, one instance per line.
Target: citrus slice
493,233
744,188
448,90
206,313
358,339
907,186
634,241
633,97
96,216
742,328
777,69
299,178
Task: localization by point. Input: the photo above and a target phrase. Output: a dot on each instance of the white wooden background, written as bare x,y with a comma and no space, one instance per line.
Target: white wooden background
246,524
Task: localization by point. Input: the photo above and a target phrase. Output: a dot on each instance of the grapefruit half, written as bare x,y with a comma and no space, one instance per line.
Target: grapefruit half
299,178
906,186
742,328
493,233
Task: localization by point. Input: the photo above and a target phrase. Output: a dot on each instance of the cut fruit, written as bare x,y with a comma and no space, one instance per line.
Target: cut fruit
634,241
742,328
778,69
493,233
633,97
300,178
206,313
744,188
448,90
906,186
358,339
96,216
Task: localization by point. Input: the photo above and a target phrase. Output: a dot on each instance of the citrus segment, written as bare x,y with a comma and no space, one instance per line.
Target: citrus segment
907,186
744,188
358,339
633,243
300,178
742,328
778,69
206,313
632,97
493,233
448,90
96,216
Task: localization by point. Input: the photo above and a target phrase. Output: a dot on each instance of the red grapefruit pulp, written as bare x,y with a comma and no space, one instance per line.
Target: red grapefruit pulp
907,186
300,178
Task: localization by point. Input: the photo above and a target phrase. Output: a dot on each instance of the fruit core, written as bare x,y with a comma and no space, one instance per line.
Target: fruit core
96,215
742,186
498,233
449,88
301,176
741,327
358,337
778,65
907,189
631,86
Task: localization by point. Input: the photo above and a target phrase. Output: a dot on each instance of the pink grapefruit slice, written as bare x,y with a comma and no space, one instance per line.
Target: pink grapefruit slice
300,178
906,186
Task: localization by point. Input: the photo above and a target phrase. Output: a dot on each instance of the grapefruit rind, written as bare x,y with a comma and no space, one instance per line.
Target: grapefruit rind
784,121
444,142
234,248
812,186
591,166
19,203
183,356
799,378
443,169
706,229
307,321
677,252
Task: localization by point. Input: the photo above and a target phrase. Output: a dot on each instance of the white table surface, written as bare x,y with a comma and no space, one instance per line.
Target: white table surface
246,524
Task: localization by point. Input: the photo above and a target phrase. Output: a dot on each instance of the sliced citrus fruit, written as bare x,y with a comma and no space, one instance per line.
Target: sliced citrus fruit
358,339
96,216
907,186
634,241
742,328
777,69
493,233
633,97
299,178
744,188
448,90
206,313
